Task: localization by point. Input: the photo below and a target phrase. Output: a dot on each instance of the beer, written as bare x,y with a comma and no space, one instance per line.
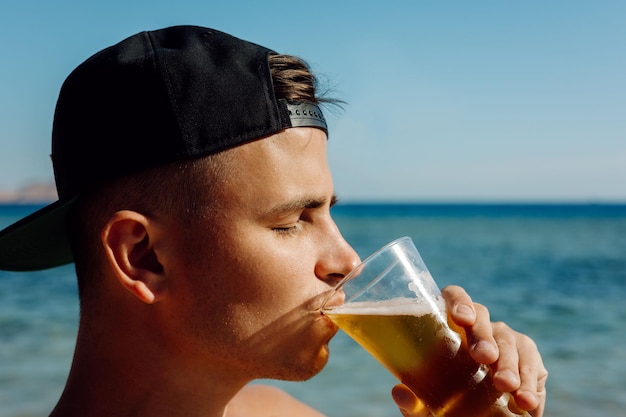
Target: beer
417,346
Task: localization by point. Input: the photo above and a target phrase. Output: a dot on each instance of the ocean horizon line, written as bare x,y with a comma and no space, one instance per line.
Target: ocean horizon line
474,209
416,202
430,209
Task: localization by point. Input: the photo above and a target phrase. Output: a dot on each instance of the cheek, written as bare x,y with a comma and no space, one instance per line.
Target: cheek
269,277
246,278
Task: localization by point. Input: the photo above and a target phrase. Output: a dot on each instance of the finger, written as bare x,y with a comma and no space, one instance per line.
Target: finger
475,320
482,344
408,403
460,305
506,375
541,395
531,393
520,369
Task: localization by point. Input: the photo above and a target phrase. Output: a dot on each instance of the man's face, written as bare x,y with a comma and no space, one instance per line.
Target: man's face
251,276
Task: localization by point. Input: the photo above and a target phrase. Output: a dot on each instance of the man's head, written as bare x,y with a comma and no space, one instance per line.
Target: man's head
184,188
207,197
157,97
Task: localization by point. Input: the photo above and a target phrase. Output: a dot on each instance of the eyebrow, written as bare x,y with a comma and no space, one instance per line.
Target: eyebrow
301,204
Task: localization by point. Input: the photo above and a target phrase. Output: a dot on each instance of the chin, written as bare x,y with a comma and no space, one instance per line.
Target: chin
303,368
319,361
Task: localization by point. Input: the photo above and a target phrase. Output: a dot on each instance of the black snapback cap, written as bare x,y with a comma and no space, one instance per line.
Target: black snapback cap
177,93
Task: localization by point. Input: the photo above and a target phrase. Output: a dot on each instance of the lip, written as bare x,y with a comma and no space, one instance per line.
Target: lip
331,299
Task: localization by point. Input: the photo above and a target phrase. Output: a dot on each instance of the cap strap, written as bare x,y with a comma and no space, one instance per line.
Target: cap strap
306,115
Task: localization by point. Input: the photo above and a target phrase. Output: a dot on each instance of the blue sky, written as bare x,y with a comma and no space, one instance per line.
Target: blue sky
447,100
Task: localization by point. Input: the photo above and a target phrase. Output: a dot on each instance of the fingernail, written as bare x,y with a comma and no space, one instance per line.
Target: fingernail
508,376
484,346
403,399
464,310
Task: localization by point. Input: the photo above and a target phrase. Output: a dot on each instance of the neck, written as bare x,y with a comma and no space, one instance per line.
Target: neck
127,373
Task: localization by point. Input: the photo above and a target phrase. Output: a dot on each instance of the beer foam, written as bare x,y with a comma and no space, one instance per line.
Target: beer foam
394,306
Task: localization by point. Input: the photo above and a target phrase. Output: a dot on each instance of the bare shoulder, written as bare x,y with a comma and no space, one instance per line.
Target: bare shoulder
258,400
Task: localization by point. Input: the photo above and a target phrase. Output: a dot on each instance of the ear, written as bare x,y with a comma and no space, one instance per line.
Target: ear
129,245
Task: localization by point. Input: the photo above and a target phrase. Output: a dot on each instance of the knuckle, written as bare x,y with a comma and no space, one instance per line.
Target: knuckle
504,335
501,328
526,342
527,370
481,309
543,378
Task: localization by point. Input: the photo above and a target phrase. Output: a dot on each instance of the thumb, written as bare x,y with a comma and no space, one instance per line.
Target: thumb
408,403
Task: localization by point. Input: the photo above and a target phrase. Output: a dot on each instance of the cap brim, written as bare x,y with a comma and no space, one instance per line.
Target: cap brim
38,241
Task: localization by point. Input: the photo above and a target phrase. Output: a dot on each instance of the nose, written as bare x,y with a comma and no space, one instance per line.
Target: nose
337,259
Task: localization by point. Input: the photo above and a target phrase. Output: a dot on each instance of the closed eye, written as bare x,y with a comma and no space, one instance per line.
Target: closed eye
297,210
286,230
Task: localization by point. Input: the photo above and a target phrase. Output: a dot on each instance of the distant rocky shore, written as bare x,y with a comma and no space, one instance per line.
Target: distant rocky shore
30,194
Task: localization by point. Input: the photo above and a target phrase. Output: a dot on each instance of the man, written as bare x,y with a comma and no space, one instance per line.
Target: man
194,199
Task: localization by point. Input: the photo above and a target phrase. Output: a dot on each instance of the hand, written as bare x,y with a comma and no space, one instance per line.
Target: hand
514,357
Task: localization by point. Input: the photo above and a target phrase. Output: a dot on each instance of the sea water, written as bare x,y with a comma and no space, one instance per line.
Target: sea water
554,272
